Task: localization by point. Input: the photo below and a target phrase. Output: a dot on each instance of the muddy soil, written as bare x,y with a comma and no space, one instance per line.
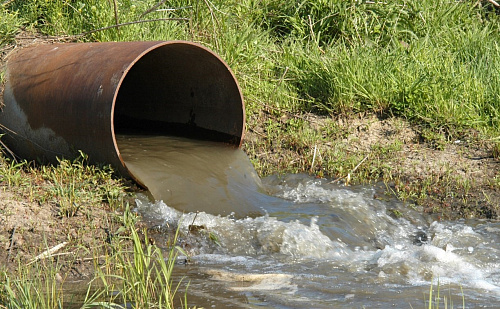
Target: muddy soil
29,231
28,228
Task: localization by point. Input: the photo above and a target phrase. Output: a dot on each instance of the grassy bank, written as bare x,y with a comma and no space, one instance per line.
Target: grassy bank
309,69
131,272
71,221
435,63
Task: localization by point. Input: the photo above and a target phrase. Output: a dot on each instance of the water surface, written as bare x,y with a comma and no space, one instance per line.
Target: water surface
318,244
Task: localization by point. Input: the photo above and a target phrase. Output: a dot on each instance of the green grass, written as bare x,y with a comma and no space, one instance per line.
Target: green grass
436,299
9,24
433,62
134,273
142,278
69,185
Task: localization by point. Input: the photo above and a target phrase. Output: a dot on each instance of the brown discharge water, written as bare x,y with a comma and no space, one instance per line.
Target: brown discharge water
192,175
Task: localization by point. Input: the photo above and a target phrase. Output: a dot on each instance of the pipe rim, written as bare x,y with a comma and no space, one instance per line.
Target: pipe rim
134,62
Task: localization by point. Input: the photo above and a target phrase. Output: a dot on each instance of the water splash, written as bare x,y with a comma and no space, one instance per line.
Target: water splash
326,246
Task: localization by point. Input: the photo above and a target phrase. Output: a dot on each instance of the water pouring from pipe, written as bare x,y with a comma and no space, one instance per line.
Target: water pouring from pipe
63,98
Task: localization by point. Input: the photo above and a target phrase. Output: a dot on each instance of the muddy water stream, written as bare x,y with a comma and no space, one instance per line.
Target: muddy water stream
316,244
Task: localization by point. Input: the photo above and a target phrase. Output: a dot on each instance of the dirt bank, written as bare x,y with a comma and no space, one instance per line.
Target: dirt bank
453,177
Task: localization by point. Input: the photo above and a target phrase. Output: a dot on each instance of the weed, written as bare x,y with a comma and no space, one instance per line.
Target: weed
495,151
9,25
75,184
35,287
435,300
12,174
141,277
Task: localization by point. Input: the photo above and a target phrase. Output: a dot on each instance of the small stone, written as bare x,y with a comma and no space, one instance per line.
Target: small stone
59,277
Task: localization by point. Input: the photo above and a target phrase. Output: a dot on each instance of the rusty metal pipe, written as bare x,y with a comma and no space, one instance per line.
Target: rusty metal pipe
61,98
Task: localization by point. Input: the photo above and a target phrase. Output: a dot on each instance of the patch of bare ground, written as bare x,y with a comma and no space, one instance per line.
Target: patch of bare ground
455,177
30,231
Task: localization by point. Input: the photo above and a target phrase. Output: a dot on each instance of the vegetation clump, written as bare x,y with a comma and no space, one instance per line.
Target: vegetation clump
71,221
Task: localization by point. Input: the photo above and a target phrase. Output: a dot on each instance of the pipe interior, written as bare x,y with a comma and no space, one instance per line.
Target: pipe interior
181,90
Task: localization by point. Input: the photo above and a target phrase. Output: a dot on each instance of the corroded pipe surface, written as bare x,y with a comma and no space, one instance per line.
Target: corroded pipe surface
61,98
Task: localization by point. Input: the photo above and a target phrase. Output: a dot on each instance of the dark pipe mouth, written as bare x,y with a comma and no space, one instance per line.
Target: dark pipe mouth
182,89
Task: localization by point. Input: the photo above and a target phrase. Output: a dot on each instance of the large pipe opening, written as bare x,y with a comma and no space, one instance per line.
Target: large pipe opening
180,89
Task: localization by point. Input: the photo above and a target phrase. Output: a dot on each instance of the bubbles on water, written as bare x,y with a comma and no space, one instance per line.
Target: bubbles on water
447,257
334,238
251,236
308,241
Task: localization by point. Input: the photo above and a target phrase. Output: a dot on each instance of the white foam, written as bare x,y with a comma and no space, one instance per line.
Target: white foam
423,263
376,246
224,259
309,241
